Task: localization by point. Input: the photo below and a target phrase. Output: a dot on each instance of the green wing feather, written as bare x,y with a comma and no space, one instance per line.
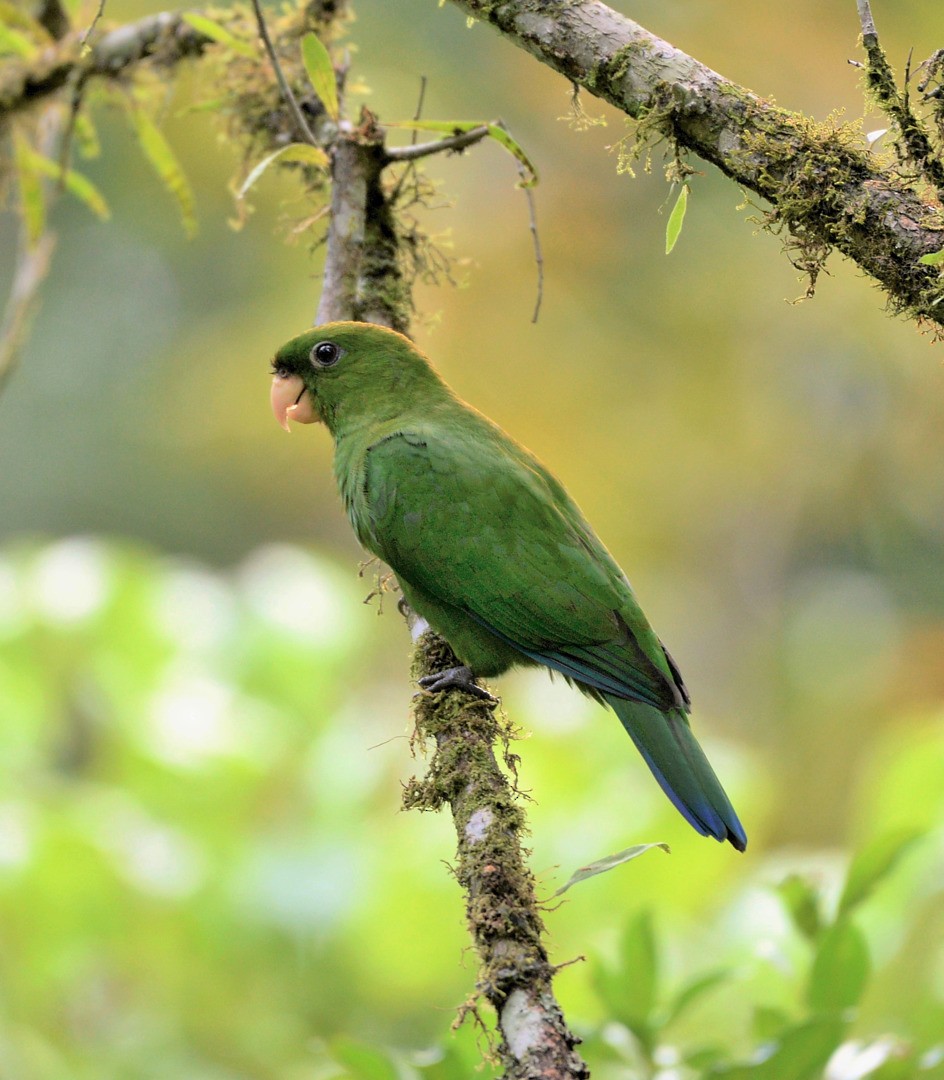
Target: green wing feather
472,519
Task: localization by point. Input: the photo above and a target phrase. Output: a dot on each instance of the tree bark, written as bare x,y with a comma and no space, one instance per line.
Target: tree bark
824,185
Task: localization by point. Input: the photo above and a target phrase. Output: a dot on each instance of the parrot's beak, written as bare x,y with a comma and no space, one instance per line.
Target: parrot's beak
290,401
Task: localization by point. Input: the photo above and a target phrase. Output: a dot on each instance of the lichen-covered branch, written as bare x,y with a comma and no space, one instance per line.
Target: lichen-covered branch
825,187
501,908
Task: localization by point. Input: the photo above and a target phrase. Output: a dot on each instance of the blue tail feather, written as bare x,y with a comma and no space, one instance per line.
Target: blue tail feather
679,765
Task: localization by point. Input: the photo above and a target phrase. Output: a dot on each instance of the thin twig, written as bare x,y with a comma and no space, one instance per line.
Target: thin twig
419,105
83,40
33,259
536,239
410,170
298,116
452,142
32,265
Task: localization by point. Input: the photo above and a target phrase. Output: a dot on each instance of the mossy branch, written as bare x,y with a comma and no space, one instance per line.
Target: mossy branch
914,142
502,912
826,189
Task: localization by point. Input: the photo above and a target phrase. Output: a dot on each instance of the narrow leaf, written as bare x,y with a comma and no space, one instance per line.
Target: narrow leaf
164,161
494,131
32,203
301,152
874,863
216,32
802,902
840,969
320,70
602,865
691,992
673,227
80,186
86,136
933,258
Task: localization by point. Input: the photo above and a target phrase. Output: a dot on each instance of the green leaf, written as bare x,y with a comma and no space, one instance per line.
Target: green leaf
301,152
874,863
32,203
602,865
363,1062
216,32
703,1057
769,1022
86,136
629,991
802,903
75,183
320,70
494,131
692,991
164,161
933,258
800,1054
840,969
673,227
13,43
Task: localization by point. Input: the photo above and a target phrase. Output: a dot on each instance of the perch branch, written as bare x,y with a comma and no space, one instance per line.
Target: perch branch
363,280
501,908
824,186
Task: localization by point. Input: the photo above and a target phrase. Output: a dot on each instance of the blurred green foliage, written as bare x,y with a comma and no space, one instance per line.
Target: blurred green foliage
203,874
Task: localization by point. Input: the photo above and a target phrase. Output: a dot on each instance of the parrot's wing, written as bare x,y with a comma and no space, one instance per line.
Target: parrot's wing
477,523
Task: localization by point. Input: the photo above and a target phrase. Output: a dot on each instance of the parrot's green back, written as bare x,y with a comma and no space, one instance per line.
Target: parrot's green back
490,549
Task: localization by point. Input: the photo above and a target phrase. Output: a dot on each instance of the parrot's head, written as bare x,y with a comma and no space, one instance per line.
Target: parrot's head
344,372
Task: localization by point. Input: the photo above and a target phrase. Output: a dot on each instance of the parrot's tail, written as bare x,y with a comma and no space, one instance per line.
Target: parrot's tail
679,764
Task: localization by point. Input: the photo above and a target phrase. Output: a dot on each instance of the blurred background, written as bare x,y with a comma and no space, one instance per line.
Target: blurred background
203,866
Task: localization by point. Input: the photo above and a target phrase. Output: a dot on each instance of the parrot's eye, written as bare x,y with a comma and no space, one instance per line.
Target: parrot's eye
325,353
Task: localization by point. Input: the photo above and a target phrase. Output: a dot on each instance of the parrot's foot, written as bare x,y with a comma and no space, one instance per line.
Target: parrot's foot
456,678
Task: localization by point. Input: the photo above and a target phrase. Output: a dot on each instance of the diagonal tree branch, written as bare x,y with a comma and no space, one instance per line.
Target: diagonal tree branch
165,34
826,189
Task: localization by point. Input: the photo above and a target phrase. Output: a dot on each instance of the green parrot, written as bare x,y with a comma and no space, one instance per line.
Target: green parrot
488,546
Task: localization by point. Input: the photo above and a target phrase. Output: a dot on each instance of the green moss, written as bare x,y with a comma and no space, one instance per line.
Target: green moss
501,908
605,75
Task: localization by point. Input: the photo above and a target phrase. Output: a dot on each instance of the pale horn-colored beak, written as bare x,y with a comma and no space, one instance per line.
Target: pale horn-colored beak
290,401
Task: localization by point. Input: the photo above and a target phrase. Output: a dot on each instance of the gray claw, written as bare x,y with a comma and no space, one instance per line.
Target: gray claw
456,678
